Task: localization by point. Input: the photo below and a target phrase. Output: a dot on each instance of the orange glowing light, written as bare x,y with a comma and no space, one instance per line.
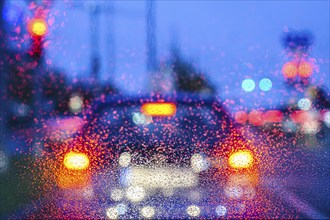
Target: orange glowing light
241,117
37,27
241,159
158,109
290,70
305,69
76,179
76,161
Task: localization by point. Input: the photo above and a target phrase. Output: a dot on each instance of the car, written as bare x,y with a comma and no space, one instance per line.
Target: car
183,153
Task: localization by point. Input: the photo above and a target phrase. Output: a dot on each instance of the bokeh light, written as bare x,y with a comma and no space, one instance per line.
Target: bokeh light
76,103
147,212
300,116
326,118
117,194
135,193
305,69
290,70
256,118
310,127
265,84
273,116
22,110
125,159
112,213
76,161
37,27
158,109
199,163
193,211
241,117
305,104
221,210
122,208
141,119
248,85
241,159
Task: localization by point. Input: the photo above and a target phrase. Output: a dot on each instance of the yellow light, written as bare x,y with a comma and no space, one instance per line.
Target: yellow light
158,109
37,27
76,161
241,159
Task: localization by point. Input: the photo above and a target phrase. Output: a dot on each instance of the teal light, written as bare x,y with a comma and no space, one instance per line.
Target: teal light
248,85
265,84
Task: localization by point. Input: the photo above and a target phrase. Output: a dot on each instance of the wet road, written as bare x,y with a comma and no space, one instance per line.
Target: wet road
302,191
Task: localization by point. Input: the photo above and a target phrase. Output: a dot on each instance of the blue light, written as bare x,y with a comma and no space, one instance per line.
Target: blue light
265,84
248,85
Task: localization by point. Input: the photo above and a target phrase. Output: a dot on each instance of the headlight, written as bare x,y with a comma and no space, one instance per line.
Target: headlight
125,159
147,212
199,163
135,193
193,211
241,159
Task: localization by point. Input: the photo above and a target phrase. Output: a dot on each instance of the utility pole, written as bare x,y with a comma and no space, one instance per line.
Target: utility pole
95,10
94,41
110,41
156,78
151,37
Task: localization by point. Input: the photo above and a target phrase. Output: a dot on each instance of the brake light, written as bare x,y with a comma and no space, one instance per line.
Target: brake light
241,159
76,161
159,109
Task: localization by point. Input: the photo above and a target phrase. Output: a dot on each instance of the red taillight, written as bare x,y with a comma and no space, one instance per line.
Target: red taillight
159,109
273,116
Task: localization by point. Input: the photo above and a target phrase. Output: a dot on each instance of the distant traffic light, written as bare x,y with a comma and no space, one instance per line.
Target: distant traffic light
303,68
37,28
290,70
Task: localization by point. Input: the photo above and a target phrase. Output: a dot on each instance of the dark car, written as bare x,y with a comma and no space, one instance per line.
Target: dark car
134,154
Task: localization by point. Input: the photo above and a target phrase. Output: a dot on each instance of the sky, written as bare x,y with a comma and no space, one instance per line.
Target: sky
228,40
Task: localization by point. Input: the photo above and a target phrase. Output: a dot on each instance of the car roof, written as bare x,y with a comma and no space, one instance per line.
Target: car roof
176,98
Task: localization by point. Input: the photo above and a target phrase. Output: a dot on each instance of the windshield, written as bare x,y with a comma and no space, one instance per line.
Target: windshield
157,109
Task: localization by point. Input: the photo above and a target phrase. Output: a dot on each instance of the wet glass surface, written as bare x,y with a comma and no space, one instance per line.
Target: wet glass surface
163,109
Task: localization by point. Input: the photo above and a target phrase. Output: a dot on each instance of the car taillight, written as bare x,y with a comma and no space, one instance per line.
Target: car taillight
242,159
76,161
159,109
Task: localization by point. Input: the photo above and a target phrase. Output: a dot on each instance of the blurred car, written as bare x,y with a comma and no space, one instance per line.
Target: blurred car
181,153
